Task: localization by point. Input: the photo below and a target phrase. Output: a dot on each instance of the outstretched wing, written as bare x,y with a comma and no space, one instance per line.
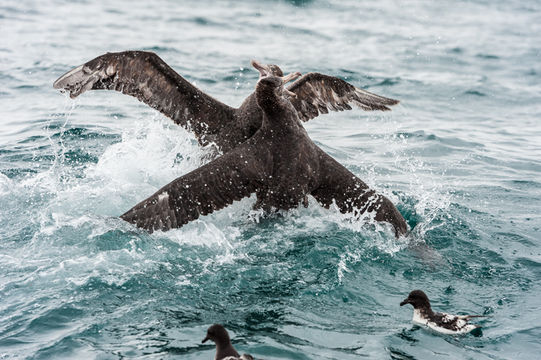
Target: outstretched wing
231,177
351,194
318,93
147,77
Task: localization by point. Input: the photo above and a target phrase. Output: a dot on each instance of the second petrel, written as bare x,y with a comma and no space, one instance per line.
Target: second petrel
147,77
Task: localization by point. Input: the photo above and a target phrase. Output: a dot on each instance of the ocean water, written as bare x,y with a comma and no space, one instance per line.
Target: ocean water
460,157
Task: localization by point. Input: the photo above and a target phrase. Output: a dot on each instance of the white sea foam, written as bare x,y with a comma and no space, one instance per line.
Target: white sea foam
152,152
5,184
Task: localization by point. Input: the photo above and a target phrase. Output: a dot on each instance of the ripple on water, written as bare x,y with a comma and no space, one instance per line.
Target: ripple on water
457,156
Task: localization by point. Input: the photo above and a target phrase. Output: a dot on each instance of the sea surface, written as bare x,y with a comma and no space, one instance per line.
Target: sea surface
460,156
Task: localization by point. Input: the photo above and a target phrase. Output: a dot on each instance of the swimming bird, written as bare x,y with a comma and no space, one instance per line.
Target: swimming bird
280,164
224,348
147,77
440,322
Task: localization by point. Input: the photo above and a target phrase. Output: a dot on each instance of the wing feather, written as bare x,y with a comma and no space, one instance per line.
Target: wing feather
145,76
211,187
467,317
318,93
338,185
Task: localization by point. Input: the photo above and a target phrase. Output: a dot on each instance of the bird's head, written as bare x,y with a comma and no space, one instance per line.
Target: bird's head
267,72
267,69
218,334
417,299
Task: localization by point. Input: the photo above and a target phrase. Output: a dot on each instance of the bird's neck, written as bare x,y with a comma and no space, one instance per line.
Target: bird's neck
270,102
224,350
279,116
425,313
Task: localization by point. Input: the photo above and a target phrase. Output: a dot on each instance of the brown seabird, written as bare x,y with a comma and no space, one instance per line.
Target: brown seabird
147,77
280,163
224,348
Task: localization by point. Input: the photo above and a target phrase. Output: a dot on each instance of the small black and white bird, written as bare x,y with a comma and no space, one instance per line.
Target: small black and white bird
224,348
439,322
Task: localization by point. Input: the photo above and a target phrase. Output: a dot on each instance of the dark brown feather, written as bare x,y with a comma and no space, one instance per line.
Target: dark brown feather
318,93
338,185
145,76
211,187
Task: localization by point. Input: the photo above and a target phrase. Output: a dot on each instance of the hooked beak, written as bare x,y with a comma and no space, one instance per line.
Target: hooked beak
263,69
406,301
290,93
205,340
289,77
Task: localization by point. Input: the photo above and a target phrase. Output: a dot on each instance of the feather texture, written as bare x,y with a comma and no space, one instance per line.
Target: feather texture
211,187
145,76
319,94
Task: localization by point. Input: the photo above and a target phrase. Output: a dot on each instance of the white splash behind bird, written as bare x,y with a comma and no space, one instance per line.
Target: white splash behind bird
440,322
224,348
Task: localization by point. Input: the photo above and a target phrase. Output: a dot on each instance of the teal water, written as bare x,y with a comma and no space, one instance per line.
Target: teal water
460,156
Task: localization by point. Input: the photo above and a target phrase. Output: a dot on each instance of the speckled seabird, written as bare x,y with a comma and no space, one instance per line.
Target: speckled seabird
147,77
439,322
280,163
224,348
